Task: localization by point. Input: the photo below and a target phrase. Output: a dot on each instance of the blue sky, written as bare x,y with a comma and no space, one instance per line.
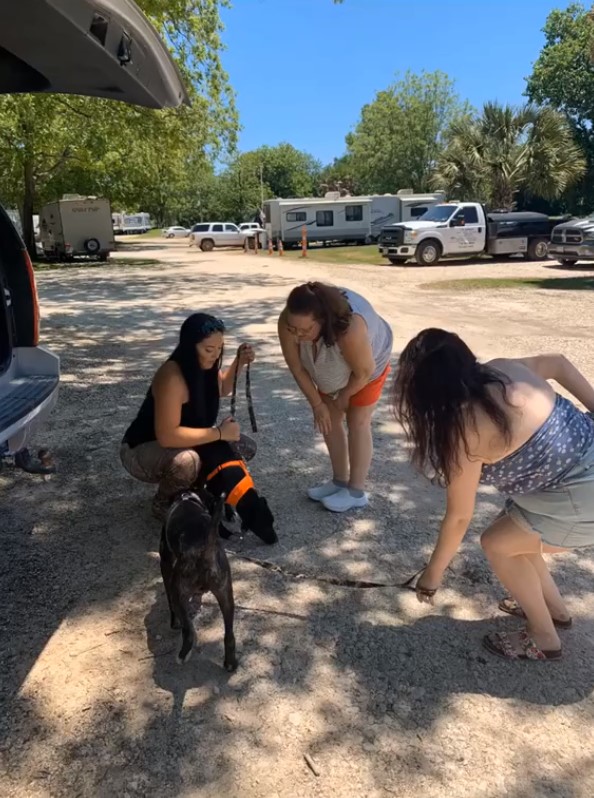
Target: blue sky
302,69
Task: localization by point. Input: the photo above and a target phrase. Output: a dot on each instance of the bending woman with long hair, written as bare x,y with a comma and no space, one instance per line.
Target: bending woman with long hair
501,423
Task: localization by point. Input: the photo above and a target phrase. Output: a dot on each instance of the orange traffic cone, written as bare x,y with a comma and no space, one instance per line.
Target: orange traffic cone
281,249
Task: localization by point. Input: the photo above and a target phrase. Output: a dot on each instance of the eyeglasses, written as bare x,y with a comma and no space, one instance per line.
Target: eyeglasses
300,332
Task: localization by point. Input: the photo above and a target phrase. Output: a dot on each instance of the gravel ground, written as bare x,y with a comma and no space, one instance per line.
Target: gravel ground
386,696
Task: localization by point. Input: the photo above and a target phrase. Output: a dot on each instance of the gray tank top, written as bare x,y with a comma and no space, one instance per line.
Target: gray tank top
329,370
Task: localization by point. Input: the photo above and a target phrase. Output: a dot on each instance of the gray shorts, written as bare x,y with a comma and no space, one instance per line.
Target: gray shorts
563,515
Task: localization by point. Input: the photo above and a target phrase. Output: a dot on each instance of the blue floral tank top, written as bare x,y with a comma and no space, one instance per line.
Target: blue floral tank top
547,456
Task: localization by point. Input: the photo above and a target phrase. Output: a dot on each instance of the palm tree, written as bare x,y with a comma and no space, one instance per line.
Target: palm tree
504,150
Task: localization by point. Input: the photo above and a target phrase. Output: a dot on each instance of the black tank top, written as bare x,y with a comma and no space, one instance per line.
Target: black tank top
199,412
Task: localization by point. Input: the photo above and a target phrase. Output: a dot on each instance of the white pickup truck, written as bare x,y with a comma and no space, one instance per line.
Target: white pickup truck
465,229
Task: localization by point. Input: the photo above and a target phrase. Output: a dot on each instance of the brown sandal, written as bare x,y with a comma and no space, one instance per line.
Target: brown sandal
498,643
511,607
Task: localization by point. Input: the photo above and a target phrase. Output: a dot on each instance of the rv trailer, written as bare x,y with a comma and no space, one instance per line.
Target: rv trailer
345,219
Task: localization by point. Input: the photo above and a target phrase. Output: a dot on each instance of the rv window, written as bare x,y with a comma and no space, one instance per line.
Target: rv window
325,218
418,211
296,216
354,213
217,228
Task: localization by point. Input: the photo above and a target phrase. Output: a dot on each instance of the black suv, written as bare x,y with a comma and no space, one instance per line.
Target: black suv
84,48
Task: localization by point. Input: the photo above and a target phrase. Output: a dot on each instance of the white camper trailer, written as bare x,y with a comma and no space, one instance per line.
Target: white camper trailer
343,219
404,206
347,219
77,225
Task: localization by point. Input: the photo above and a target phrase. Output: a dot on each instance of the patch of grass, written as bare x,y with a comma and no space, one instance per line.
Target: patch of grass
341,255
574,283
156,232
42,266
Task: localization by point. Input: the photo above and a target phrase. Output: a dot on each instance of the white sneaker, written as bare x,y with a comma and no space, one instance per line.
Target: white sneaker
342,500
322,491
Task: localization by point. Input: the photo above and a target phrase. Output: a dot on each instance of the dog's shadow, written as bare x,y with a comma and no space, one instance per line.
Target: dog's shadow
205,669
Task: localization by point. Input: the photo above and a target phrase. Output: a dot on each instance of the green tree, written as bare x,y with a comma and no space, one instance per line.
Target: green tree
251,177
131,155
338,174
563,76
400,134
503,151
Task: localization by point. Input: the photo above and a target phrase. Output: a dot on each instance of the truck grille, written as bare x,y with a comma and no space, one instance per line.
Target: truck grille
392,237
569,236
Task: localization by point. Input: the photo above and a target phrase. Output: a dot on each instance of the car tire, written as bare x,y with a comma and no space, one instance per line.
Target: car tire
538,249
92,246
207,245
428,252
170,235
397,261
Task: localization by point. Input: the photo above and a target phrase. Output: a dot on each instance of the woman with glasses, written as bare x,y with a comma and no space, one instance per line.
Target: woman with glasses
338,349
180,411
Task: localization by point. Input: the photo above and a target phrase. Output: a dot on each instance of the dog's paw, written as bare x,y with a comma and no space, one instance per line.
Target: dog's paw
231,665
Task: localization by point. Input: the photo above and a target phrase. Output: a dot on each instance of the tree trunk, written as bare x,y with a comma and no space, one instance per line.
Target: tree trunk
27,209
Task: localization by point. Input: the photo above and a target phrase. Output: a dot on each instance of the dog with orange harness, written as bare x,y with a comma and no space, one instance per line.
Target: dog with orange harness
223,472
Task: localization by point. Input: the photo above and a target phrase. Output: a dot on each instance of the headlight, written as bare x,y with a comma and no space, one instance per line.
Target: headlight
409,236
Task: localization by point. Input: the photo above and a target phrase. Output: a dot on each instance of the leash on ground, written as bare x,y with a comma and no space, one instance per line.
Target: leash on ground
409,584
248,394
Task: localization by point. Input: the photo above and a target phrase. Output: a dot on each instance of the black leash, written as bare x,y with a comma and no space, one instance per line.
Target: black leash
248,395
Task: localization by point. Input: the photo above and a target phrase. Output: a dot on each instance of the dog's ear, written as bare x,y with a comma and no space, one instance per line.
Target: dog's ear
217,514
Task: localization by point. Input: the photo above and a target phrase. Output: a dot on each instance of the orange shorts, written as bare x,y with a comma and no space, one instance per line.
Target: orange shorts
371,393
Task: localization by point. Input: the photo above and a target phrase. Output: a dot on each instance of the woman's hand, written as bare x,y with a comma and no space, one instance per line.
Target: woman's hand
322,418
229,430
427,585
342,400
245,355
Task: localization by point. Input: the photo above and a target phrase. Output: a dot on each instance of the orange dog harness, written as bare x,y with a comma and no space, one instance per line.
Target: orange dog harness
242,487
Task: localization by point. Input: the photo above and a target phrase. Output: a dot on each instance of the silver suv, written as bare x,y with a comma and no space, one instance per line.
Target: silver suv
218,234
91,51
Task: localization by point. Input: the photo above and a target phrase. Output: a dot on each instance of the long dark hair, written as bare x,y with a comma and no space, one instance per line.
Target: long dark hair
438,387
203,384
327,304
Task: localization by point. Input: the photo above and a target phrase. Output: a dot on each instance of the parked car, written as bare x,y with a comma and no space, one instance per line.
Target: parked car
218,234
176,232
249,226
86,51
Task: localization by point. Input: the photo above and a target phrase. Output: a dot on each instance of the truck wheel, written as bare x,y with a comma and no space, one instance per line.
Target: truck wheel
397,261
92,246
538,249
207,245
428,252
567,262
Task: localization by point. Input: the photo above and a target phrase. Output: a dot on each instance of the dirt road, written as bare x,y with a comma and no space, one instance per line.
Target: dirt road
387,697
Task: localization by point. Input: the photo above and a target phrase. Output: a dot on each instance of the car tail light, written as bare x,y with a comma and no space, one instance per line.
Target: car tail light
34,297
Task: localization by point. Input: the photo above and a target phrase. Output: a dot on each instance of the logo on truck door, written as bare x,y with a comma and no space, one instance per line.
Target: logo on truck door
465,230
